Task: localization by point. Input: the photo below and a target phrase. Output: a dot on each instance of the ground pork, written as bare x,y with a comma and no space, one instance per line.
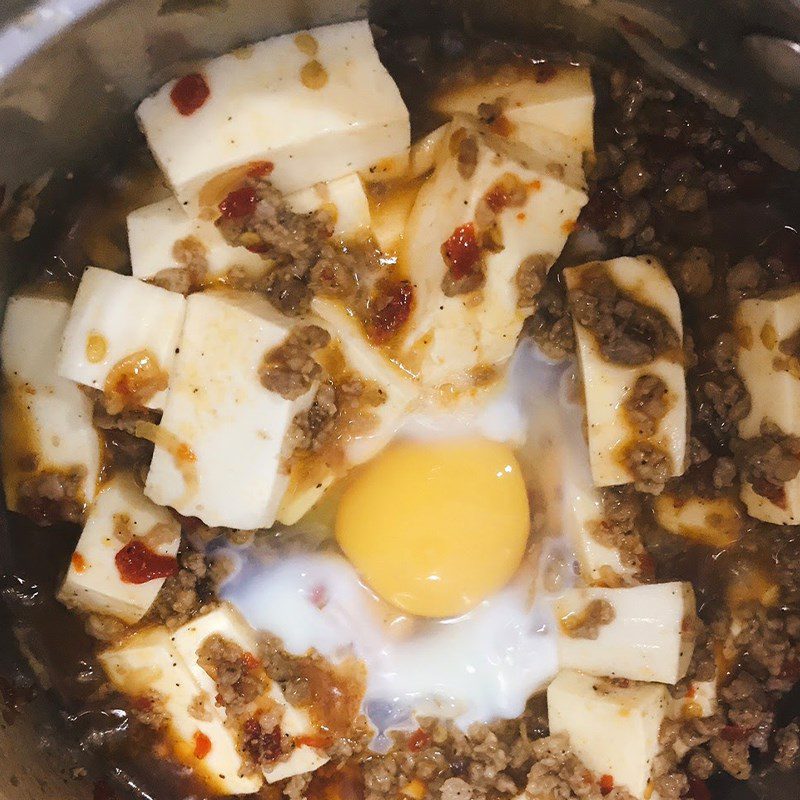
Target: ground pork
290,369
558,774
192,271
530,279
550,326
649,464
50,496
587,622
300,257
627,331
187,593
646,404
768,461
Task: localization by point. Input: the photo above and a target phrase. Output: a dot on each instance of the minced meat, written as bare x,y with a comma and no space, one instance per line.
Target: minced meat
650,466
530,278
768,461
646,404
628,332
559,774
301,259
586,623
51,496
290,369
187,593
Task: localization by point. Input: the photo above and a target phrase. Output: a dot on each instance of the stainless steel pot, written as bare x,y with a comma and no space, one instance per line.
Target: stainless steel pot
72,70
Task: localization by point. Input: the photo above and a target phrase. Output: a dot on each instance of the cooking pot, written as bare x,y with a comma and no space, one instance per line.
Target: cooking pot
71,71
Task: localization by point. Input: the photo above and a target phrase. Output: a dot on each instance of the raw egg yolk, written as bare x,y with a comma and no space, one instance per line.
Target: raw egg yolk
435,527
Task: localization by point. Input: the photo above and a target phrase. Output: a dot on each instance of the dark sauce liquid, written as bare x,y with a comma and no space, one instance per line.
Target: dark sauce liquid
757,216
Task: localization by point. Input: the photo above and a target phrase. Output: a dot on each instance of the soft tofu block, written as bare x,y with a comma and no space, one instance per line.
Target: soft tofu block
118,323
46,419
147,665
220,447
556,460
786,511
317,105
765,363
452,334
159,234
345,200
712,521
354,357
608,385
366,361
699,701
226,622
650,635
122,520
765,328
612,729
558,98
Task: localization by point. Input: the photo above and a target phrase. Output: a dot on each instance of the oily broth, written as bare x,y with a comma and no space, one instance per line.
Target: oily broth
90,228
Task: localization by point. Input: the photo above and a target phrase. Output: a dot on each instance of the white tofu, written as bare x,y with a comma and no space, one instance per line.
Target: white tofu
263,105
154,230
346,200
46,419
772,379
225,621
699,701
220,447
368,362
564,102
612,729
93,583
760,507
606,385
389,215
147,663
356,356
650,638
716,522
118,320
450,336
557,462
414,162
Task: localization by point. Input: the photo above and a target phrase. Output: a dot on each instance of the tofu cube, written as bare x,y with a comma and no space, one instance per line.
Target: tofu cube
771,375
346,201
764,330
699,701
121,516
389,215
225,621
556,458
155,230
366,361
147,665
452,334
221,447
46,419
560,99
608,385
117,325
715,522
650,635
317,105
353,356
613,729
